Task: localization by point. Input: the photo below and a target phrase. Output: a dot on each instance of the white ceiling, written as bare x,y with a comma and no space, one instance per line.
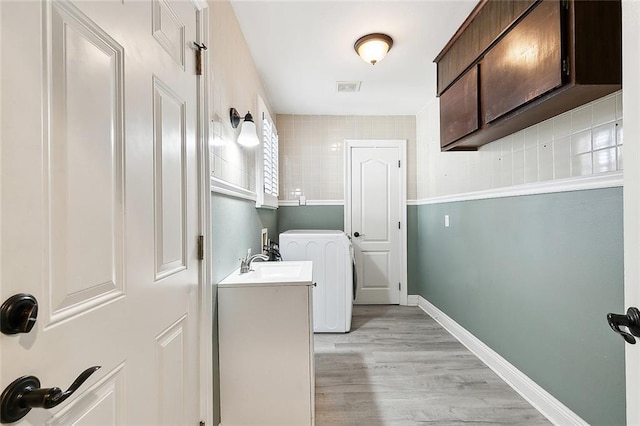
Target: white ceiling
302,48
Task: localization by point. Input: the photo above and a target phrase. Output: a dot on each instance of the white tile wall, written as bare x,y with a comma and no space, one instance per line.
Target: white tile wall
584,141
312,151
235,83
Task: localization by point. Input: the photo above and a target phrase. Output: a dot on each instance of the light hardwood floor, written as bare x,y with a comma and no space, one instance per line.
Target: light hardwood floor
399,367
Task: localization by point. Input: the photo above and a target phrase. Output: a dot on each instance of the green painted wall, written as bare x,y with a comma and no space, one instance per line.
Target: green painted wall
236,225
533,277
310,217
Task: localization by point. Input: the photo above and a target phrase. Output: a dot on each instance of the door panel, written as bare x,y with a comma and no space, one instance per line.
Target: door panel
169,31
171,368
83,166
99,206
374,197
376,267
169,179
375,215
101,404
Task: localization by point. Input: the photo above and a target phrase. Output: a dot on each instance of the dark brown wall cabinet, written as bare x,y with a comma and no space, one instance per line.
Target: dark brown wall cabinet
513,64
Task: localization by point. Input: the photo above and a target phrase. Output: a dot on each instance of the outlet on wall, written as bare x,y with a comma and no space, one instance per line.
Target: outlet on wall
446,220
264,239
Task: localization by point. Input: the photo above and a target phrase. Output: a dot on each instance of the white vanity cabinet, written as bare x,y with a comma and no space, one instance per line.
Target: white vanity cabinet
266,346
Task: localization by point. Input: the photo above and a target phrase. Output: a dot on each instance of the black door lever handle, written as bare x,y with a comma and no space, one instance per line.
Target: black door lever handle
631,321
25,393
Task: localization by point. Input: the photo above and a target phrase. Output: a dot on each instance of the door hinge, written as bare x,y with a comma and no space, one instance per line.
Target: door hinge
565,66
398,163
199,49
398,225
399,286
201,247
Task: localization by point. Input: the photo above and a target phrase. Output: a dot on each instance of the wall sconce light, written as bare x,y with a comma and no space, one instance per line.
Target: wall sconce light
248,135
373,48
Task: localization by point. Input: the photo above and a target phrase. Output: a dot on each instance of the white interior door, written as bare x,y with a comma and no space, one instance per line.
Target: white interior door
631,106
376,220
99,206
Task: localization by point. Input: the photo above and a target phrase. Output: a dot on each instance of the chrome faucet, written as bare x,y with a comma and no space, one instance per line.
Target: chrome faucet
245,264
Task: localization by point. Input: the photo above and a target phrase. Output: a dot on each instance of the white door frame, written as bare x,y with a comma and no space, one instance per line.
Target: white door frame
631,107
205,297
401,144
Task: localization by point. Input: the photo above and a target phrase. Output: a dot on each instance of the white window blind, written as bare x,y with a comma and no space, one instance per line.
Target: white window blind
270,155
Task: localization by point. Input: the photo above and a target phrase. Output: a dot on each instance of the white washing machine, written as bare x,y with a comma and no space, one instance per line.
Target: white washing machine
333,272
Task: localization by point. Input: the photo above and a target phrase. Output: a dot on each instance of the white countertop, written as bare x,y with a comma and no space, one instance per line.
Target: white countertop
271,273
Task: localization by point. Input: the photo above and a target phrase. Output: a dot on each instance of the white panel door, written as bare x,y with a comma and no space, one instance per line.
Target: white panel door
631,106
375,223
99,206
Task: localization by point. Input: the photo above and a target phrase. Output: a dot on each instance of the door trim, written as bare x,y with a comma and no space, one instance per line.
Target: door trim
401,144
631,197
205,304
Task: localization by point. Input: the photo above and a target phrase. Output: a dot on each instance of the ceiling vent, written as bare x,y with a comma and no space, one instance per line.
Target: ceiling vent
348,86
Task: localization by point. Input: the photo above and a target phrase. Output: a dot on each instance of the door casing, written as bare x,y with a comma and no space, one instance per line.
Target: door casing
631,107
205,297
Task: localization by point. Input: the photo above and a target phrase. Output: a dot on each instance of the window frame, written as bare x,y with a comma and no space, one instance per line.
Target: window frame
267,160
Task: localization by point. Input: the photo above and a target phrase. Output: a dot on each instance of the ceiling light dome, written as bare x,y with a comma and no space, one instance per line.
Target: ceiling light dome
373,48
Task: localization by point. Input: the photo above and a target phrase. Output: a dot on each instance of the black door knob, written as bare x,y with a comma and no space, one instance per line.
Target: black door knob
18,314
25,393
631,321
356,234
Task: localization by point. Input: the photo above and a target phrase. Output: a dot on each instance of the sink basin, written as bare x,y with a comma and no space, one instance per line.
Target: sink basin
277,271
288,272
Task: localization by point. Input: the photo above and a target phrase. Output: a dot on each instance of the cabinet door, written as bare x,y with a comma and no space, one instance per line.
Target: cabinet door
525,64
459,108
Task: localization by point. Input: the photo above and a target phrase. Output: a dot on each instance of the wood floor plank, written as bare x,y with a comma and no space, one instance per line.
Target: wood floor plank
398,367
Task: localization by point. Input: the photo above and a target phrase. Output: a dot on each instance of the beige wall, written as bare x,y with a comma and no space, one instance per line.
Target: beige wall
234,83
584,141
312,151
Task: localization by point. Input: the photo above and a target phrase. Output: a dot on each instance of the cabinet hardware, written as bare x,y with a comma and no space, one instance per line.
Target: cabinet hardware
565,66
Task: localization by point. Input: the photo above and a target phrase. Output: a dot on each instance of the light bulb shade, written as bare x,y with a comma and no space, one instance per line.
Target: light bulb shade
372,48
248,134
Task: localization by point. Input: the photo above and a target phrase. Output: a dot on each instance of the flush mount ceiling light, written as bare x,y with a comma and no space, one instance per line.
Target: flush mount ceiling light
248,135
373,48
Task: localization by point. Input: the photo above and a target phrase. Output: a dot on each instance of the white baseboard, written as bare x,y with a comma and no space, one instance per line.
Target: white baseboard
543,401
412,300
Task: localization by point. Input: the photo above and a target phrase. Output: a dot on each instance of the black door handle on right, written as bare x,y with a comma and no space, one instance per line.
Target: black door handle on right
631,321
